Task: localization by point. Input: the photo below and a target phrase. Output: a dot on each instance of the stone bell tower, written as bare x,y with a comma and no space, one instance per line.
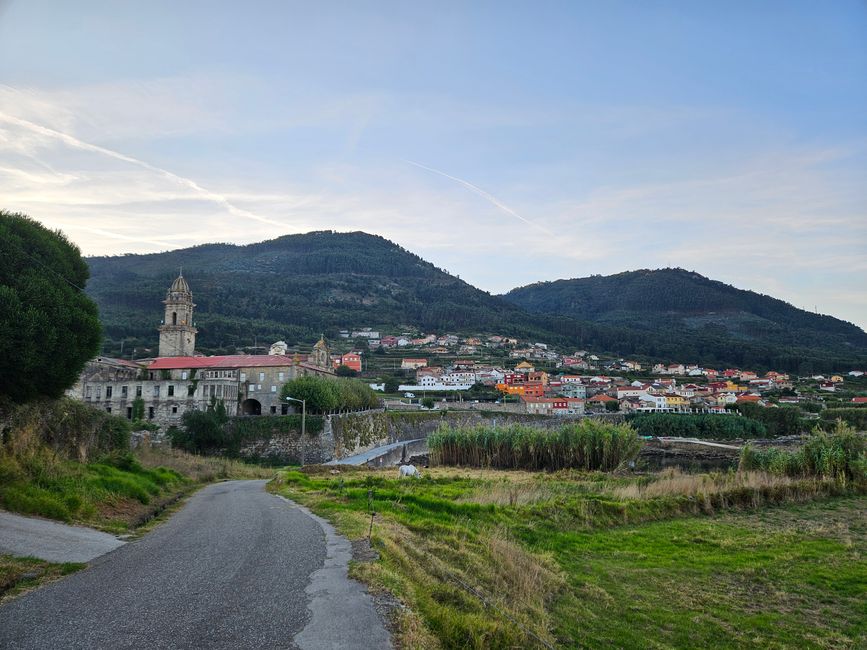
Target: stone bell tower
177,334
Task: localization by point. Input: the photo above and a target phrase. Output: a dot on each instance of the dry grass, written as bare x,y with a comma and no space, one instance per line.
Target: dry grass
512,493
203,469
21,574
673,482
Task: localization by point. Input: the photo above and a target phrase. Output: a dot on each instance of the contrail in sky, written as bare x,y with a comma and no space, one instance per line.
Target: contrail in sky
186,182
478,190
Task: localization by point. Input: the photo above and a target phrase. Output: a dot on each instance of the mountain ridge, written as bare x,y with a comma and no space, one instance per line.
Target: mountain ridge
295,287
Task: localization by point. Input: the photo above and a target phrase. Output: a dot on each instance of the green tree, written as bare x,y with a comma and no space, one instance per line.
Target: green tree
427,402
344,371
392,384
321,395
203,431
49,328
138,409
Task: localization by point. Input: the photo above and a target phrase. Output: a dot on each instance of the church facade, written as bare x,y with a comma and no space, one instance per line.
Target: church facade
161,390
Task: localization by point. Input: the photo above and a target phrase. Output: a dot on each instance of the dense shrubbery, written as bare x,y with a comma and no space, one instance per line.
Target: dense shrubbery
213,432
587,444
853,416
719,427
840,455
779,421
327,395
71,428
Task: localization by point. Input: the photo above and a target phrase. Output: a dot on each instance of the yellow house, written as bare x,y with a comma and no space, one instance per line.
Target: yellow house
674,401
837,379
525,366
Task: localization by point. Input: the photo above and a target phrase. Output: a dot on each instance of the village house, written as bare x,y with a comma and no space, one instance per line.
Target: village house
351,360
412,364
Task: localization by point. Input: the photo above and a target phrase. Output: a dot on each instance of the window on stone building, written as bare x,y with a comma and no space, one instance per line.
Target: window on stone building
273,389
150,412
108,409
261,376
174,409
243,376
108,392
138,391
99,392
273,410
156,391
88,393
129,413
171,391
184,374
123,391
281,376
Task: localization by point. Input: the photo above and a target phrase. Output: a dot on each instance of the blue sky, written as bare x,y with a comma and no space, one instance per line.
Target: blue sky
507,142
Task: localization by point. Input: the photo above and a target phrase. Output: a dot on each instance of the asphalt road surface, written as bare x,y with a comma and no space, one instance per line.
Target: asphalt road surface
235,568
52,541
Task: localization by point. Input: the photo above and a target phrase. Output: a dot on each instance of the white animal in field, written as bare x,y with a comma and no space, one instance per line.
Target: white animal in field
409,470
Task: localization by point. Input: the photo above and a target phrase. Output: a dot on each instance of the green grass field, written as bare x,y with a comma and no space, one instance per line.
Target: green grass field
502,559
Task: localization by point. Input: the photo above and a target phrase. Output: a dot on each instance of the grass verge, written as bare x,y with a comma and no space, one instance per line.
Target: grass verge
501,559
117,493
21,574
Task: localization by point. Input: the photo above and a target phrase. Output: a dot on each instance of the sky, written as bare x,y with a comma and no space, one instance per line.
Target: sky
506,142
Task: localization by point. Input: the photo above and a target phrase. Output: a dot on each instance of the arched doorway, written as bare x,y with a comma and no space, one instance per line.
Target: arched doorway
251,407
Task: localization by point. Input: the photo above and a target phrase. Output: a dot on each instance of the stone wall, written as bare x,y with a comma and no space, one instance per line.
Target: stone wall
354,433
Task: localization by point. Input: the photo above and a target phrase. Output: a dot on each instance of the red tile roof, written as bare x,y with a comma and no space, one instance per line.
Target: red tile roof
228,361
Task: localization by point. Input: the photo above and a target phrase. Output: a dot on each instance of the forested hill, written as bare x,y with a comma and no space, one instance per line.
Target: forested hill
705,314
293,288
296,287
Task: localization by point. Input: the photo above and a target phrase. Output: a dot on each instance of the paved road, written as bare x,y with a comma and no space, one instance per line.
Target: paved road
49,540
362,458
235,568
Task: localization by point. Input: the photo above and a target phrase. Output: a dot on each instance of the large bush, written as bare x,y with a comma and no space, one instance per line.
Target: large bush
73,429
324,395
49,328
718,427
779,421
854,416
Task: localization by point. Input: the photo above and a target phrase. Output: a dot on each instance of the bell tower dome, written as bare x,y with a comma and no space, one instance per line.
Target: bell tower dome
177,334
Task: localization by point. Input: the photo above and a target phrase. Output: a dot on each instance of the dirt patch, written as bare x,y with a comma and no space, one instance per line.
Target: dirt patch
362,552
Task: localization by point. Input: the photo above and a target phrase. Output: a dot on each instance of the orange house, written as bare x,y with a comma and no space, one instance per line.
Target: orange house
511,389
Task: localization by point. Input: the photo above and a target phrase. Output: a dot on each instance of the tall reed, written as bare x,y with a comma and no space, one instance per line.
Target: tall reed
839,455
587,444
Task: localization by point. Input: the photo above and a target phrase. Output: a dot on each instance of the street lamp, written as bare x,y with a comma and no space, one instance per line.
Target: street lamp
303,422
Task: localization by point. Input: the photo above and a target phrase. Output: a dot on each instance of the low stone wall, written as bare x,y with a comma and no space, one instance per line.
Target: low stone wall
289,449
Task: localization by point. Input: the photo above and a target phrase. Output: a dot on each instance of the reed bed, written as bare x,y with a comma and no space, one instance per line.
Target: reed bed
840,455
587,445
